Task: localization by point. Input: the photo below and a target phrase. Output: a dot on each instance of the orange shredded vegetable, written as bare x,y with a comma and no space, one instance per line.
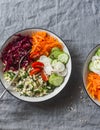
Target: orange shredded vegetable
93,85
42,43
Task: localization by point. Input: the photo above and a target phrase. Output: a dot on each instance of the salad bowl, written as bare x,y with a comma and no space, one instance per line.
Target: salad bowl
91,74
3,63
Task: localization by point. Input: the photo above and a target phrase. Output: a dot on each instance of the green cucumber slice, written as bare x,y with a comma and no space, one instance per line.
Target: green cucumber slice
64,57
55,79
91,66
55,54
54,62
98,52
55,49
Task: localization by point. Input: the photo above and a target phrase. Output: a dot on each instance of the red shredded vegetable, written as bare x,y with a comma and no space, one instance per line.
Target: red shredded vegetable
13,52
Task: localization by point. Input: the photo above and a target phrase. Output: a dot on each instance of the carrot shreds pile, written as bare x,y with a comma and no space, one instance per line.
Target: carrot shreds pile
93,85
42,43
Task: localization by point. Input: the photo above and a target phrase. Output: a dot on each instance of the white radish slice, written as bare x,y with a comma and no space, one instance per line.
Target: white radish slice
95,71
63,73
95,58
48,69
47,66
44,59
97,64
59,67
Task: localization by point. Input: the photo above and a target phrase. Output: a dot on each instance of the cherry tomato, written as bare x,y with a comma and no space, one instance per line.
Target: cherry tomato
35,71
37,64
44,76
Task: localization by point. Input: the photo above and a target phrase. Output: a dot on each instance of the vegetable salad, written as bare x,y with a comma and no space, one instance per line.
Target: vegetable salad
42,70
93,78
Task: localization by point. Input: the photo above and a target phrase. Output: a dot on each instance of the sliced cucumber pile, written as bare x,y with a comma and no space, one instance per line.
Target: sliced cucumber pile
59,61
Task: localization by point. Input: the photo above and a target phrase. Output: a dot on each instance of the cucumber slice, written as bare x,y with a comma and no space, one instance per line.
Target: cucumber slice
55,80
54,62
55,54
98,52
63,58
55,49
91,66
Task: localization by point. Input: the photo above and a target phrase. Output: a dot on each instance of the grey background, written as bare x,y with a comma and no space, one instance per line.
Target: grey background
77,22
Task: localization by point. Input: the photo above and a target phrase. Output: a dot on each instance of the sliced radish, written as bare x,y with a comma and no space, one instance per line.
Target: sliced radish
48,69
95,71
64,72
45,60
95,58
59,67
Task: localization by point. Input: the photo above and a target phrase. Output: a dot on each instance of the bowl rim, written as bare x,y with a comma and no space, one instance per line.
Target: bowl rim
83,74
43,29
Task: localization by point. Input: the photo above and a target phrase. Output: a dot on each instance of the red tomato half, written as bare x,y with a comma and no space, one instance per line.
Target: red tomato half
35,71
37,64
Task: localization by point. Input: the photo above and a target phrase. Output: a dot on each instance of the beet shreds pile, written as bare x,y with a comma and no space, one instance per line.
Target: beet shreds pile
13,52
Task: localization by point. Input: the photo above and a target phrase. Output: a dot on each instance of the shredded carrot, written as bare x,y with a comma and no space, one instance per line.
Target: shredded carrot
42,43
93,85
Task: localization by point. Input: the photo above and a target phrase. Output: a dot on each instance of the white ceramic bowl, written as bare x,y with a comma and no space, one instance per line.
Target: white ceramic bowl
85,71
46,97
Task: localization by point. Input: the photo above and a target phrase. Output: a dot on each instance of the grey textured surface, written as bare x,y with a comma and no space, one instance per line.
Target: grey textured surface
75,20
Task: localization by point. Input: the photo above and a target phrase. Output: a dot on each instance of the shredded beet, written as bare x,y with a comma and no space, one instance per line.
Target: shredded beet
13,52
